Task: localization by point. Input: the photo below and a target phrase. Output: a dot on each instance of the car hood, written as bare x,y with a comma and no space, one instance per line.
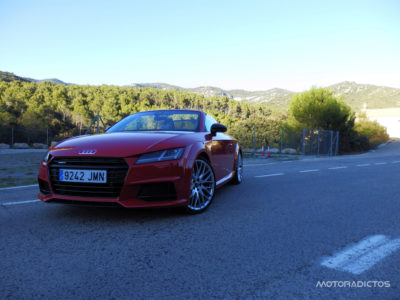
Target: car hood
120,144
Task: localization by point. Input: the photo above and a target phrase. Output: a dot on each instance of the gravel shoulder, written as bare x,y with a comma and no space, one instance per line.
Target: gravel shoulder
19,166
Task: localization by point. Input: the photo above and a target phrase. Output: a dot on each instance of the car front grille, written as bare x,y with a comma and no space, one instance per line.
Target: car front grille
116,172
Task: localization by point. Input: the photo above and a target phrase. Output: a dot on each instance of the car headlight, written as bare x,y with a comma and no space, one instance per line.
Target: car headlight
47,157
169,154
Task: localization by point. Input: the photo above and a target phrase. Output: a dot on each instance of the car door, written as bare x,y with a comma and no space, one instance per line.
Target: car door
222,151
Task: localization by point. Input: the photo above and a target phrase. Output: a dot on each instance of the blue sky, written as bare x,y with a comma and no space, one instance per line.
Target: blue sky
253,45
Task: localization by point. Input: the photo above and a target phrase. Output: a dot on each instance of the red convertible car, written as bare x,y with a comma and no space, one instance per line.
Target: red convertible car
151,158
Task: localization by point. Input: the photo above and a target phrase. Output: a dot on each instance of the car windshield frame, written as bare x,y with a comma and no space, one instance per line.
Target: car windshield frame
158,121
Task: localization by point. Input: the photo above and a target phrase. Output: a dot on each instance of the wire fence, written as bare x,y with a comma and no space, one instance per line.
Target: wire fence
38,138
289,141
17,135
42,138
320,142
293,141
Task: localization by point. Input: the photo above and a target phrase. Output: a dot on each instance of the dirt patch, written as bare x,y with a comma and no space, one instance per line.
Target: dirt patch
19,168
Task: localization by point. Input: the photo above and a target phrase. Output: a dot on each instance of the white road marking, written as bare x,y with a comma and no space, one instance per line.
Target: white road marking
307,171
363,255
363,165
337,168
18,187
373,257
269,175
20,202
289,161
256,165
396,162
380,163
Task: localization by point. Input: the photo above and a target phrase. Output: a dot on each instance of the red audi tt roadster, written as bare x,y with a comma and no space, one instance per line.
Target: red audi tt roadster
151,158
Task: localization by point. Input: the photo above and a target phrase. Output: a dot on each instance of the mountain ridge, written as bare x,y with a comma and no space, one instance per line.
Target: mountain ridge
358,96
8,76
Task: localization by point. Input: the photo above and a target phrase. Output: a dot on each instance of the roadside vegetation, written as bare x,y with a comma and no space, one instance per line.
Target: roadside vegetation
318,108
371,130
69,110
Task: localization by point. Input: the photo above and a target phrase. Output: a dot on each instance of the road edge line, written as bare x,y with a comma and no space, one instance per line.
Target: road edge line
17,187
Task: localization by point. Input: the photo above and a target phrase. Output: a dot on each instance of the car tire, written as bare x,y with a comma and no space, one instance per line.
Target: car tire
238,176
202,186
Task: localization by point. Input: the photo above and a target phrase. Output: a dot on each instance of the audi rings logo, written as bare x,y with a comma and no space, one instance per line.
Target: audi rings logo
87,152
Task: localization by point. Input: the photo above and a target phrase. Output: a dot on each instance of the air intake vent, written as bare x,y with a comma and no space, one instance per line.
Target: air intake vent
44,187
160,191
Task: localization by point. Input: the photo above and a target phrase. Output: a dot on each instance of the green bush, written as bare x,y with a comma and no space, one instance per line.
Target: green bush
372,130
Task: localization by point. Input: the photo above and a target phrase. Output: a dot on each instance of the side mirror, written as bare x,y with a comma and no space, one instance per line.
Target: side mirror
217,128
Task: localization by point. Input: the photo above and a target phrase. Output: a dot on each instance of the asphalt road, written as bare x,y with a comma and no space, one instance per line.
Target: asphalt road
265,239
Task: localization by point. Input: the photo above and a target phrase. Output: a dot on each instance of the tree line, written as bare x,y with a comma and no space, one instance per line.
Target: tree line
69,109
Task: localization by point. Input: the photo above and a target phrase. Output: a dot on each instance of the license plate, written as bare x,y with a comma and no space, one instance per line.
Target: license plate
89,176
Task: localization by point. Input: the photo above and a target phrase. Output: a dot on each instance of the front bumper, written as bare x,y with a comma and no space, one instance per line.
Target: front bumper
146,185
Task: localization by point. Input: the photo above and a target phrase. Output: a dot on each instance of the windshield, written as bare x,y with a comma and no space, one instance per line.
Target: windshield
159,121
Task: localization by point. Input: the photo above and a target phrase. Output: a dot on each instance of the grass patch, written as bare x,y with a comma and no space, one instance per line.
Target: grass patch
15,181
19,168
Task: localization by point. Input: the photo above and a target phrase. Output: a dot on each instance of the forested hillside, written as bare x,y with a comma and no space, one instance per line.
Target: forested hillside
7,76
33,108
69,109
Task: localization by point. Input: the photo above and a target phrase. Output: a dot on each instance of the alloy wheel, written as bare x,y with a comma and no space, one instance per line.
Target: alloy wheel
238,177
202,186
